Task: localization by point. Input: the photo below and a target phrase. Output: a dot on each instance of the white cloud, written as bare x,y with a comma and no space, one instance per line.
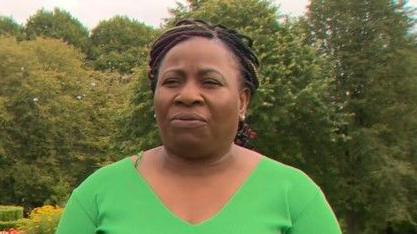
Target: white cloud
292,7
90,12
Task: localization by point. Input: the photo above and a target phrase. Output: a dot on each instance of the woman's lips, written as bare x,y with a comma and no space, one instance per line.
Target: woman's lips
180,123
188,120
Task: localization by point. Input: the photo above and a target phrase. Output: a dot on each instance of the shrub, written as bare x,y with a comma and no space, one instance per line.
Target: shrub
6,225
9,216
42,220
11,213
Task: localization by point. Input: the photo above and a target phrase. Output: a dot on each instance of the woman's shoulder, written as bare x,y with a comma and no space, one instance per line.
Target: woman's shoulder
106,175
280,176
278,169
299,189
111,169
289,178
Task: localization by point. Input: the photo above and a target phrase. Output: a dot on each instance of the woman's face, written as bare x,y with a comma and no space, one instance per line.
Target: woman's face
199,97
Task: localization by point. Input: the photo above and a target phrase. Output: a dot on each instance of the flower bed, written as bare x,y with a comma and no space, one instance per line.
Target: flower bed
42,220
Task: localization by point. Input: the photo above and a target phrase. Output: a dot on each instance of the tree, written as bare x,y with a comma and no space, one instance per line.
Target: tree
376,77
9,27
119,44
56,120
138,129
58,24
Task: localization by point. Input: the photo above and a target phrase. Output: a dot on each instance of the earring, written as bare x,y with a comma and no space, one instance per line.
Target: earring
242,117
154,116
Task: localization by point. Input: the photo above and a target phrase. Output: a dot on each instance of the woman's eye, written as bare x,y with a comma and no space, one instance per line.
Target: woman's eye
171,81
212,82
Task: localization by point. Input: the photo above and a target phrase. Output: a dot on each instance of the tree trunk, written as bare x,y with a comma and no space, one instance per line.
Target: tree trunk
353,225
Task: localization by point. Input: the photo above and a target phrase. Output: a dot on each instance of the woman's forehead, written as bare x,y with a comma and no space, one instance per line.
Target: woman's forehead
201,51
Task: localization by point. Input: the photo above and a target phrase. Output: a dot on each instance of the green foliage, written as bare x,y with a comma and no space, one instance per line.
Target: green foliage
9,216
56,120
376,71
138,126
9,27
119,44
6,225
11,213
58,24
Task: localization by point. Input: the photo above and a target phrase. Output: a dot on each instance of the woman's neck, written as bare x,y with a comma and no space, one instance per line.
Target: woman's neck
198,164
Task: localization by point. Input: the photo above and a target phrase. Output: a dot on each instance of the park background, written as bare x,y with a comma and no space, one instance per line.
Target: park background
338,99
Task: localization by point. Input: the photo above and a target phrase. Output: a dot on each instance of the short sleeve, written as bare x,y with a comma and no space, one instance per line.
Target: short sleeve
316,218
76,218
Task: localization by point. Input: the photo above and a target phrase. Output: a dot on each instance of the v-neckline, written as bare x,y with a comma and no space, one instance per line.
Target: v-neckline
230,201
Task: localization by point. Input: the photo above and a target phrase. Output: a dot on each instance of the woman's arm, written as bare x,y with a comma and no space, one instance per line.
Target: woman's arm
76,218
316,218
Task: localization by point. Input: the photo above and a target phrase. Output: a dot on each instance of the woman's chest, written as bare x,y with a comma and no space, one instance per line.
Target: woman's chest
247,212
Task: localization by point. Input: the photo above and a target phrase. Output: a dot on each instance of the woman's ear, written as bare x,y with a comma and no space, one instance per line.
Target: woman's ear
244,99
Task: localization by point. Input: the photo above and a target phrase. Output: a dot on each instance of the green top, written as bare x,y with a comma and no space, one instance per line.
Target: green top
275,199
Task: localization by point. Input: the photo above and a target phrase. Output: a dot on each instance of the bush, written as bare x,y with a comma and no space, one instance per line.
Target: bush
42,220
9,216
6,225
11,213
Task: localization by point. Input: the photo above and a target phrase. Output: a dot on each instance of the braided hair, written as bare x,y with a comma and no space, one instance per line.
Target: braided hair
240,46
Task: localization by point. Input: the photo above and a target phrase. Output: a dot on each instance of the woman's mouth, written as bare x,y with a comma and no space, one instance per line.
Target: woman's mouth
188,120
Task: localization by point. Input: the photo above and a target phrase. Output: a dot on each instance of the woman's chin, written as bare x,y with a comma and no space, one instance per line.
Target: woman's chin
186,144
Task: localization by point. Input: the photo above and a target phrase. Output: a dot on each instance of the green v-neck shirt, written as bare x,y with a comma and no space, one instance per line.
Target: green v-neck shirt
275,199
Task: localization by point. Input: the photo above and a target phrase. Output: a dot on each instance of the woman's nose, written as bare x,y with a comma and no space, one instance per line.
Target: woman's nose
189,95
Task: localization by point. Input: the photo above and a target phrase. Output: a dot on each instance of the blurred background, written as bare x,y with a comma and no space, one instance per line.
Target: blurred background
338,98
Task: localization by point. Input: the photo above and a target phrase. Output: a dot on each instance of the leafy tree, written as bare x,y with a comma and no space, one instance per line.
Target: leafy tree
138,129
56,120
58,24
119,44
376,71
9,27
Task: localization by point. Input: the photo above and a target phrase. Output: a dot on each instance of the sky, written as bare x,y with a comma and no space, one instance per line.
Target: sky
90,12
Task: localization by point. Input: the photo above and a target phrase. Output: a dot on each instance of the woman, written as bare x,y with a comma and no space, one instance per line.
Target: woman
199,181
